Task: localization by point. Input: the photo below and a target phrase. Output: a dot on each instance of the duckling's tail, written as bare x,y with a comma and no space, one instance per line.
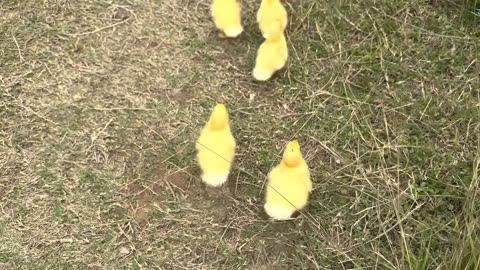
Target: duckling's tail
278,212
215,180
233,31
261,74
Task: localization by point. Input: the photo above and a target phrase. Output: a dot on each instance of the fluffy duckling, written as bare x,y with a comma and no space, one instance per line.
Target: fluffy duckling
226,15
289,184
216,148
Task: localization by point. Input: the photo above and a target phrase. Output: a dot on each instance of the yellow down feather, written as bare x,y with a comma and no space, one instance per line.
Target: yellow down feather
289,184
226,15
272,56
272,18
216,148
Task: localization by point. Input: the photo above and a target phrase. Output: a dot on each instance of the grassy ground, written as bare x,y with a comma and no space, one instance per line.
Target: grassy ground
101,102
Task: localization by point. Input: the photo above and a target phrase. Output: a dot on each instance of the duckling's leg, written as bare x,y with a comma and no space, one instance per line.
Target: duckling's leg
222,35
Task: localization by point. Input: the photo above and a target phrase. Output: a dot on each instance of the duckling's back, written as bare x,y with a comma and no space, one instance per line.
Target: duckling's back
271,56
216,150
272,18
287,191
227,16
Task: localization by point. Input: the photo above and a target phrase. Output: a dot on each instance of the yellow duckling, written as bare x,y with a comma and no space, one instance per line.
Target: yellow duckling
289,184
271,18
216,148
227,17
272,56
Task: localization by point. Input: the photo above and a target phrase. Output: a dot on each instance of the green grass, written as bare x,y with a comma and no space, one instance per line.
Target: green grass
101,103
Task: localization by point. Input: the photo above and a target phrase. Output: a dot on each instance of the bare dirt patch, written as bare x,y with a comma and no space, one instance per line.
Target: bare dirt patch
147,196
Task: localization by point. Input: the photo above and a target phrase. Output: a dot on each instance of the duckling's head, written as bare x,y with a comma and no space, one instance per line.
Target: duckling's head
218,118
292,156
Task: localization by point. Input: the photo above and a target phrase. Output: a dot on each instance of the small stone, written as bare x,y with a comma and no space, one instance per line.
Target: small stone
124,250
